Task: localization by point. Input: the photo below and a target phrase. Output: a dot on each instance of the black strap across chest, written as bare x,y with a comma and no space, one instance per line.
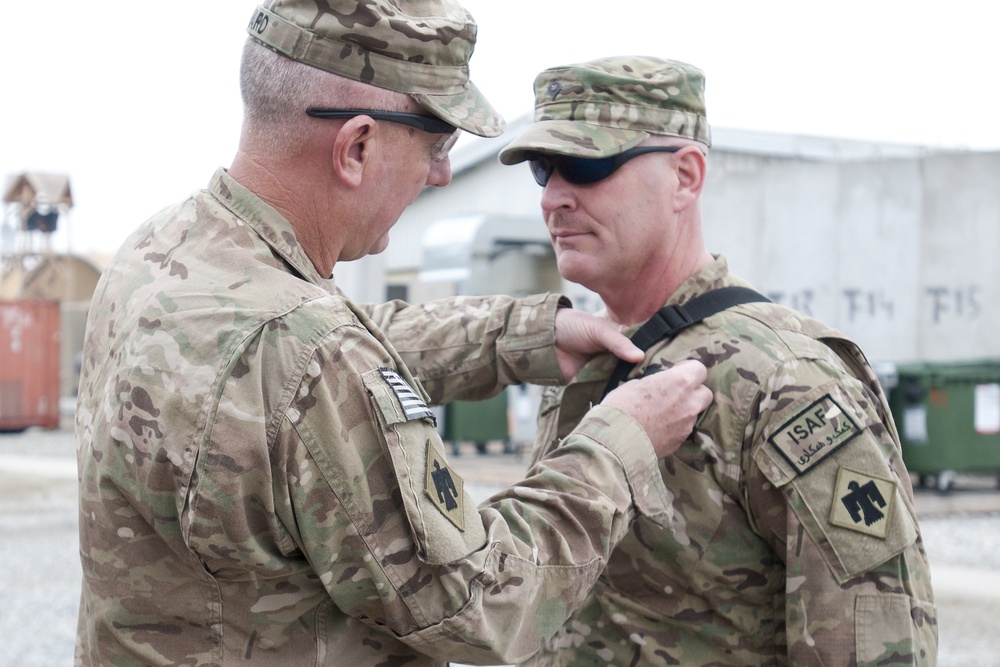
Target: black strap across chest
671,320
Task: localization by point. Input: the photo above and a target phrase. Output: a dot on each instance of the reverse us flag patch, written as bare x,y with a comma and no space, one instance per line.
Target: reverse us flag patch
413,406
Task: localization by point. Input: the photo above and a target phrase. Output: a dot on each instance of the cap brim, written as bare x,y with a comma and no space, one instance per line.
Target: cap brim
469,111
570,137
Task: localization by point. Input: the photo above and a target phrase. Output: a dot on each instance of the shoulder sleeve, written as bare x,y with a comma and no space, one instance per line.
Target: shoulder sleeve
827,488
468,348
395,539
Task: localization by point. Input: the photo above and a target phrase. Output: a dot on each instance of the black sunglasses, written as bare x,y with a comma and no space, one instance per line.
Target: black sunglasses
582,170
431,124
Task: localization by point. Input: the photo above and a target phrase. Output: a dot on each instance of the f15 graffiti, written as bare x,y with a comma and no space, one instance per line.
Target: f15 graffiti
962,303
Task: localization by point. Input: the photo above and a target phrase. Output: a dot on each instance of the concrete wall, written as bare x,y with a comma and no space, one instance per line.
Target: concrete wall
901,254
898,252
960,256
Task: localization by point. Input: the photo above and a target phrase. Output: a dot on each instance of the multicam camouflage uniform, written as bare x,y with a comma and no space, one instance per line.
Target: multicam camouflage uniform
262,483
793,538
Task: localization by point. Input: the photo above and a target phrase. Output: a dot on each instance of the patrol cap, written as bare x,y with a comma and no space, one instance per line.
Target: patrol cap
603,107
418,47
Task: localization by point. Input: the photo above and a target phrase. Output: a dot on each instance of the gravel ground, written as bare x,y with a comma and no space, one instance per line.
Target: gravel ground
40,577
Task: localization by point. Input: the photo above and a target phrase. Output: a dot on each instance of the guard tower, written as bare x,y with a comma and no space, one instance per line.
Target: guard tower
36,206
34,202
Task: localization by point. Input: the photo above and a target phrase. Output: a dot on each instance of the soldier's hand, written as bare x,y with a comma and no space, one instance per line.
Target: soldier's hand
580,336
666,403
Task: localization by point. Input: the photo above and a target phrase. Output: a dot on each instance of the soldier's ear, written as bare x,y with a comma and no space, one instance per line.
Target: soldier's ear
692,168
352,149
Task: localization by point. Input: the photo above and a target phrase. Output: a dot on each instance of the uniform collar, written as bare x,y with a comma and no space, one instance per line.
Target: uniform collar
710,277
706,279
270,225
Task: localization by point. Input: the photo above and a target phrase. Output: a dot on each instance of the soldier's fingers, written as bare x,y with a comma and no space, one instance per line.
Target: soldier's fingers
692,370
619,344
703,397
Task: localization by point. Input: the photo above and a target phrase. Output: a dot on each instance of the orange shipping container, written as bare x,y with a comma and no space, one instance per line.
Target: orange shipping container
29,364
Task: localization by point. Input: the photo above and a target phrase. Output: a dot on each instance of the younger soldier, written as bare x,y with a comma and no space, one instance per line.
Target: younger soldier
793,538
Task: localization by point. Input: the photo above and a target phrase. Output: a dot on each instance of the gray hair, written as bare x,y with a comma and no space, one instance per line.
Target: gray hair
277,90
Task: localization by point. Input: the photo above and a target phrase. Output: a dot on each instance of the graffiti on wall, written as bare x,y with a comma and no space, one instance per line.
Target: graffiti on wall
944,303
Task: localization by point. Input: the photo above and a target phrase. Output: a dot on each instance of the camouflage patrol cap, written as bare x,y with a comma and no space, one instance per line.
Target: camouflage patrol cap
603,107
418,47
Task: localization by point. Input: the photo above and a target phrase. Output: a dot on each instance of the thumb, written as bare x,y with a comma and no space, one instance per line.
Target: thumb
620,345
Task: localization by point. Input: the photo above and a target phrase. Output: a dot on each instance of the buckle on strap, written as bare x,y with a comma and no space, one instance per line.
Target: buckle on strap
667,321
675,317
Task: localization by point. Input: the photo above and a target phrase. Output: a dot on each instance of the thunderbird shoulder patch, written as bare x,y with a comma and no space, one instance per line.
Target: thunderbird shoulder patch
445,488
413,406
814,433
862,503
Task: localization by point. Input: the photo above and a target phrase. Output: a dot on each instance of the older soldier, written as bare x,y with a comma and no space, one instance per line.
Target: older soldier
794,539
260,478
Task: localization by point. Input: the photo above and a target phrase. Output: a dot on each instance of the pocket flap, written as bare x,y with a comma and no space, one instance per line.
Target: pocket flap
445,520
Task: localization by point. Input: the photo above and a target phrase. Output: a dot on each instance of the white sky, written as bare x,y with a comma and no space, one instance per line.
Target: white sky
138,102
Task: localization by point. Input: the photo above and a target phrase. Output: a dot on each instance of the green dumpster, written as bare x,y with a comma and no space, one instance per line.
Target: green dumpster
476,421
948,417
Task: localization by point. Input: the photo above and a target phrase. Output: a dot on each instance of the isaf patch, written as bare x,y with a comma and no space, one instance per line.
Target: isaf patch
445,488
862,502
413,406
814,433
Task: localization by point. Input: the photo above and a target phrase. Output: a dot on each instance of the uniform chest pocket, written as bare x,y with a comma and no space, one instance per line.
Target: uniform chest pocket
445,523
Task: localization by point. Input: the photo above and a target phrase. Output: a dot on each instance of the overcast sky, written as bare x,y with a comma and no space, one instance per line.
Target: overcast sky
138,102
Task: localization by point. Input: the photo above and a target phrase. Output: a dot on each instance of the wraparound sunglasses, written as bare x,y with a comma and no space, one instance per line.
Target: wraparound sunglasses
582,170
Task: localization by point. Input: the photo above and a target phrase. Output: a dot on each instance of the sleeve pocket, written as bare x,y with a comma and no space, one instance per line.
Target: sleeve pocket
821,488
445,521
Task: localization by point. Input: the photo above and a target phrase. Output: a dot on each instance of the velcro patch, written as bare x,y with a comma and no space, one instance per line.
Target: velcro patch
413,406
814,433
445,488
862,503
